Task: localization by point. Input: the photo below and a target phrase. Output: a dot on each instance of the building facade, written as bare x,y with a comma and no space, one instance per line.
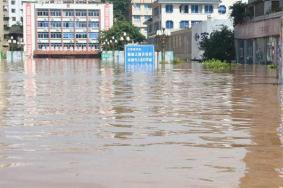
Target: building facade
15,12
140,12
183,14
65,29
259,40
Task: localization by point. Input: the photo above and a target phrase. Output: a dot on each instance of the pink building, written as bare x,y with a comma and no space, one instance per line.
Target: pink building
63,29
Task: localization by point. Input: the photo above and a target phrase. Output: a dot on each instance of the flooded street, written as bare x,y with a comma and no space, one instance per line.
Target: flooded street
84,124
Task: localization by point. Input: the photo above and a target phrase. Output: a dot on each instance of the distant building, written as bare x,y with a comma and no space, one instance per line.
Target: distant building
182,14
63,28
259,39
15,12
140,11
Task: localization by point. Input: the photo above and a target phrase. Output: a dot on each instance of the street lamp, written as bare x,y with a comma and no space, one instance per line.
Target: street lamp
162,37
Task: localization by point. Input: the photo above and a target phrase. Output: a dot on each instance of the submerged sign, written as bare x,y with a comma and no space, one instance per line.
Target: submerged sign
139,54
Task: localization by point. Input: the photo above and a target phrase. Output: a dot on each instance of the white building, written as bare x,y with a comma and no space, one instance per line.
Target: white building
15,12
64,29
174,15
140,11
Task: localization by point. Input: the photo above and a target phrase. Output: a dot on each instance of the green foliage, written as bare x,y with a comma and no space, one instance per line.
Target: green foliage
177,61
272,66
217,65
121,8
116,31
2,55
219,45
239,12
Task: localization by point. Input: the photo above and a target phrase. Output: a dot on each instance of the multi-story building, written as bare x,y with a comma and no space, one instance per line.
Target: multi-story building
140,12
259,39
65,28
15,12
182,14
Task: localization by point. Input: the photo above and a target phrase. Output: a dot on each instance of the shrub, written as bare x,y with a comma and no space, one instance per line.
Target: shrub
178,61
272,66
219,45
217,65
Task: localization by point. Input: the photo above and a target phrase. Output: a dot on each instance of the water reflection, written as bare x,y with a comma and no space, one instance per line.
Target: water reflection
78,122
264,159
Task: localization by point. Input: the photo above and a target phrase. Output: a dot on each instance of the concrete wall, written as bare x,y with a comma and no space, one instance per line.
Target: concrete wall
180,43
259,41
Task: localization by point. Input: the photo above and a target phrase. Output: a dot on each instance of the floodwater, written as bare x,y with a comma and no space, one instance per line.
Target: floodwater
84,124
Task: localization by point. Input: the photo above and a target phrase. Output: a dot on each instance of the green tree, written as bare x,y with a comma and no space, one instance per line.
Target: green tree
120,8
239,12
117,31
219,45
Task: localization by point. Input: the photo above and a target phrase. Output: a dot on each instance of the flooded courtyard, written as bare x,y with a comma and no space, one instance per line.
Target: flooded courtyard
86,124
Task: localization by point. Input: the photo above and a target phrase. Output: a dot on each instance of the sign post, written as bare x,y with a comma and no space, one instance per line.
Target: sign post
139,57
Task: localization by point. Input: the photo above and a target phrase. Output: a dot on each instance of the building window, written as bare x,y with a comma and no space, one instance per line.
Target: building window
195,9
184,8
169,8
14,19
13,10
69,45
68,13
55,13
13,2
56,35
81,13
147,6
137,6
147,18
42,12
43,35
42,46
68,24
81,24
137,18
68,35
55,45
222,9
184,24
81,35
208,9
195,22
42,24
94,25
94,13
93,35
55,24
169,24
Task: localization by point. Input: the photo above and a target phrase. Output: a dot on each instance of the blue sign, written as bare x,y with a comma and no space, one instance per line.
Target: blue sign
139,54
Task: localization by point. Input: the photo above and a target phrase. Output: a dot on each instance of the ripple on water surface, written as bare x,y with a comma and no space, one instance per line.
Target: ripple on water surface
78,123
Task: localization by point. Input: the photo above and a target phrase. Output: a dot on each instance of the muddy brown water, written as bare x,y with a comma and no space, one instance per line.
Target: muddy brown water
85,124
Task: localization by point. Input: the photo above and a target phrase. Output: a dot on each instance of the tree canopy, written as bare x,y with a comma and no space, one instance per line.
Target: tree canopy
121,8
219,45
239,12
117,31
